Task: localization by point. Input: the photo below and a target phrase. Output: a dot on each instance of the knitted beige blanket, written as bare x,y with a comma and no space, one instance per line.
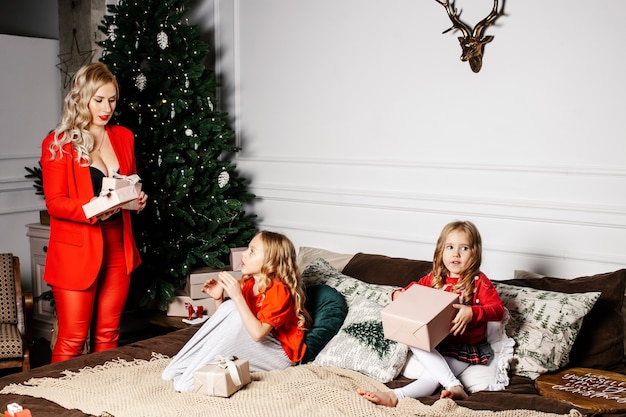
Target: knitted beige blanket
130,389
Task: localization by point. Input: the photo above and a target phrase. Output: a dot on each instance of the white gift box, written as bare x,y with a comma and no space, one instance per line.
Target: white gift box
197,278
116,191
420,316
223,377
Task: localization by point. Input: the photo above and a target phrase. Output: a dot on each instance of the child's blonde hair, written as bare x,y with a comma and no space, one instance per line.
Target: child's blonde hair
465,285
280,263
74,126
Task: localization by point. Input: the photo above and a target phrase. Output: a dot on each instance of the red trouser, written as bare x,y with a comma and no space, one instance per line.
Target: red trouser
99,307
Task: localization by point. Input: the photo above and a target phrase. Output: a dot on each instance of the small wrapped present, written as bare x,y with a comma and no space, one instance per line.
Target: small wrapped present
236,255
420,316
119,190
222,377
197,278
16,410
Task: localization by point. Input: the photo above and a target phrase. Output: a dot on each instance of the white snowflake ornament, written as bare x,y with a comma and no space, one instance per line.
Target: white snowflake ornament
162,40
223,179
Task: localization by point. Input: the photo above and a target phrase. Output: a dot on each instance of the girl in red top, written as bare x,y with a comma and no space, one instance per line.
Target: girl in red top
456,268
263,321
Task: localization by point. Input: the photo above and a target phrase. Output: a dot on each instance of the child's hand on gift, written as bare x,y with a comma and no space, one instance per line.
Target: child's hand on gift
230,284
462,319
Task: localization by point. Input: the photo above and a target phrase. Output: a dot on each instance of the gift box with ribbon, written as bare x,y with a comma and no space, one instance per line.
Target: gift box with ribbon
118,190
222,377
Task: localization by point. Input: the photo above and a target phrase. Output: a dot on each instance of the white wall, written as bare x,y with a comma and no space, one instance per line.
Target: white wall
363,131
29,109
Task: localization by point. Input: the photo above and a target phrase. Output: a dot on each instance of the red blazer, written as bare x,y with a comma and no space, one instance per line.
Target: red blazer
75,248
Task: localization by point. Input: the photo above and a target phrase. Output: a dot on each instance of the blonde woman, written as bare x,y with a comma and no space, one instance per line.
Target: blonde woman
89,260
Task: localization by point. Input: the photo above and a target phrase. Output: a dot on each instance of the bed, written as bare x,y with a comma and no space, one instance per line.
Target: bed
325,386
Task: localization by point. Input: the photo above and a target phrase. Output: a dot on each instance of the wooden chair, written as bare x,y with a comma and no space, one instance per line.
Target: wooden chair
15,315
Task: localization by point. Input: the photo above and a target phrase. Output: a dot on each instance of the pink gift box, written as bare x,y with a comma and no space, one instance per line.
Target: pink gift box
420,316
222,378
116,191
236,255
197,278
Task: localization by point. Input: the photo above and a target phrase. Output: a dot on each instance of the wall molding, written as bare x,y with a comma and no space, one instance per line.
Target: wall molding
411,239
444,204
617,172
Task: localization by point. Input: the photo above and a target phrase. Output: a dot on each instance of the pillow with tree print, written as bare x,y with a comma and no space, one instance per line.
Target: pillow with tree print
361,345
321,272
544,325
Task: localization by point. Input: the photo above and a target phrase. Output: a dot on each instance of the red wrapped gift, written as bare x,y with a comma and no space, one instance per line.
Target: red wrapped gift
16,410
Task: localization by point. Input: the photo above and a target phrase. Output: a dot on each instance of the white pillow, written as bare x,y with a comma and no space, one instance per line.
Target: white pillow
361,345
544,325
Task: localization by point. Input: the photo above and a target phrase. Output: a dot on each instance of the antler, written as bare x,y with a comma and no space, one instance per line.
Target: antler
473,41
480,27
454,16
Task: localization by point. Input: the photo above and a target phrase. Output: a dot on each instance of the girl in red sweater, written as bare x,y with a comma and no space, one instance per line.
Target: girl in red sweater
456,268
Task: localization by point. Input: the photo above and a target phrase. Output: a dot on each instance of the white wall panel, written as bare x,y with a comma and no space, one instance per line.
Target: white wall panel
362,130
29,109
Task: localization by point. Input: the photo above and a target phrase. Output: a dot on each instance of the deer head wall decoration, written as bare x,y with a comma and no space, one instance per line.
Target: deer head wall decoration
473,40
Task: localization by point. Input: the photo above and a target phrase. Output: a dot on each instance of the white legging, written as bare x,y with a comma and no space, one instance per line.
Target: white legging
437,370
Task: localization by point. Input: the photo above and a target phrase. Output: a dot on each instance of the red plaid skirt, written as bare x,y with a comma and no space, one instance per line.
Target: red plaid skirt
479,354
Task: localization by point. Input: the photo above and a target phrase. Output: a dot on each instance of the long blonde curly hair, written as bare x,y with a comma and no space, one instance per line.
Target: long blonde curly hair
280,263
465,285
74,126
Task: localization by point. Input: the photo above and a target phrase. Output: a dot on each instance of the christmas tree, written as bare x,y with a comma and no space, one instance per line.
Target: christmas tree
183,144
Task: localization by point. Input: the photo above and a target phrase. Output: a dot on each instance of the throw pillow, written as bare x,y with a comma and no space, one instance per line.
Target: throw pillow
361,346
321,272
600,343
381,269
544,325
306,255
328,310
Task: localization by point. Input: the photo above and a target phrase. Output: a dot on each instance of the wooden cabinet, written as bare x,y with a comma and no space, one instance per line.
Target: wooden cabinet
43,314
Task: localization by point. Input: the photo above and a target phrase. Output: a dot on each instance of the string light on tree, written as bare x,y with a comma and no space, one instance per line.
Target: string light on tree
183,145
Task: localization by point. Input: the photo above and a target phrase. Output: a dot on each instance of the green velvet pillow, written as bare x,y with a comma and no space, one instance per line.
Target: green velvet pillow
328,310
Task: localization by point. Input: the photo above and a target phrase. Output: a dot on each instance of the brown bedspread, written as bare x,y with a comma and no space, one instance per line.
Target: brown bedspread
520,394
